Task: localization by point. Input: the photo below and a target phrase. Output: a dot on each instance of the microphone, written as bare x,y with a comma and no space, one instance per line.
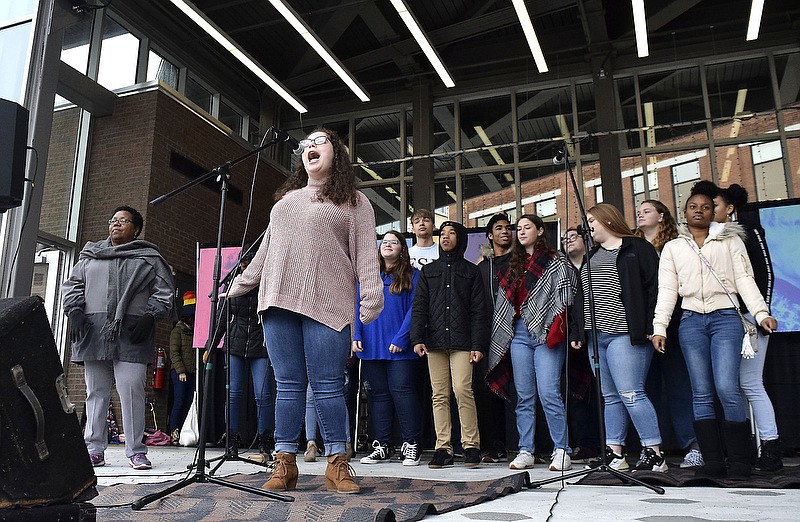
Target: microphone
284,136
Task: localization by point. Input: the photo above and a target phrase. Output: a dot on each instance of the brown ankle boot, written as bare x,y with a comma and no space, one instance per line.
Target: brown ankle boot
338,475
284,477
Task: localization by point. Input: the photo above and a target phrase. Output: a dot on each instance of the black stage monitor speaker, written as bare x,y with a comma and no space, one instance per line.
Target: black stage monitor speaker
43,459
13,143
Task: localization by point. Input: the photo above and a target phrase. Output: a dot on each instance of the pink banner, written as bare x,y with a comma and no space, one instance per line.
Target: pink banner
205,282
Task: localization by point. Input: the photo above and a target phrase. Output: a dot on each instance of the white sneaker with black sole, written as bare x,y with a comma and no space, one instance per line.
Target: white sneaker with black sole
380,453
613,460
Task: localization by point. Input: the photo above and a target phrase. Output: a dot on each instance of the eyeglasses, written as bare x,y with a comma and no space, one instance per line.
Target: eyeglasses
392,242
121,221
569,239
302,144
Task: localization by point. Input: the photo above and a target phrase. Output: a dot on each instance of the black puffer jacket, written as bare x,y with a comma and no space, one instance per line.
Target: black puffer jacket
245,334
449,310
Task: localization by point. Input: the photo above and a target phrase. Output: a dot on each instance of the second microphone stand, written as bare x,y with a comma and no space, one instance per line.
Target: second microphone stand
604,467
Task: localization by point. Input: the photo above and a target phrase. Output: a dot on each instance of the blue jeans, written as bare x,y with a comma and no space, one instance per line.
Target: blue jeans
623,368
262,377
393,388
304,351
182,394
537,368
712,345
311,415
751,380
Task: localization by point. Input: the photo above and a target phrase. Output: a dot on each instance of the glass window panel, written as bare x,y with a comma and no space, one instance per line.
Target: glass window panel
230,117
484,123
480,204
543,115
14,53
198,94
765,152
342,128
253,133
673,99
379,171
385,201
598,194
546,207
787,67
587,113
740,89
684,176
378,138
443,138
444,199
17,9
770,180
626,93
119,54
60,172
159,68
75,48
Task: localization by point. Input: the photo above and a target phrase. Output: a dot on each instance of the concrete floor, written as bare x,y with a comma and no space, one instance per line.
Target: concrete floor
557,501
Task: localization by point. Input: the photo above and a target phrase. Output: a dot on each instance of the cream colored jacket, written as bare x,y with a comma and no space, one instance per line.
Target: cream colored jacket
682,273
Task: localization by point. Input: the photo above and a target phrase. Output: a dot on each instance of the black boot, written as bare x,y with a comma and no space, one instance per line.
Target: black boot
708,438
738,441
770,460
265,444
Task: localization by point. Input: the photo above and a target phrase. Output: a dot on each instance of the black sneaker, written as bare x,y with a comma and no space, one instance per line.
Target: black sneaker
650,461
441,459
380,453
495,455
613,460
472,457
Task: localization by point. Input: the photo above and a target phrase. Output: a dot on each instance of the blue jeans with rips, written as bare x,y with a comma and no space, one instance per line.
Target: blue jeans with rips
623,368
304,351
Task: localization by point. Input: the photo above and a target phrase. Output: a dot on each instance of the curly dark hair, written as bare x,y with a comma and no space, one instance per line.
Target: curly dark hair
402,269
340,188
516,263
667,229
705,188
735,195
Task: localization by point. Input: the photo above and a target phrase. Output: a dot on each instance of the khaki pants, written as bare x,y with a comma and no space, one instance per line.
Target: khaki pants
452,368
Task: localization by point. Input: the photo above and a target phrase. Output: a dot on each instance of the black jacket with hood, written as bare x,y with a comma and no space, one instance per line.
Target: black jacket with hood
449,310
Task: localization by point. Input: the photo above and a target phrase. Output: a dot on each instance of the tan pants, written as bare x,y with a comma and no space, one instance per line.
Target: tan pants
452,368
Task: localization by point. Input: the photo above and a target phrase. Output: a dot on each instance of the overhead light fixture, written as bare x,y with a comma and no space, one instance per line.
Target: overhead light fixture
320,48
753,26
411,22
237,52
640,27
530,35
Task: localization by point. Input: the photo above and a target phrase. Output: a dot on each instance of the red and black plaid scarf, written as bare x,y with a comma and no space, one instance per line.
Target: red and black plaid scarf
533,267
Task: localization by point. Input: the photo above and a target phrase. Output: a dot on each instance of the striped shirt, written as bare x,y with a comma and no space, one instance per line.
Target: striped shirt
609,310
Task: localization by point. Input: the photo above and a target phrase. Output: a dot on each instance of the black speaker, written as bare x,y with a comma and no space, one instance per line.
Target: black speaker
13,142
43,459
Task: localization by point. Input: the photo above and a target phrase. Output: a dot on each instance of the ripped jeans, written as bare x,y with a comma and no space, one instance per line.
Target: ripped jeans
623,369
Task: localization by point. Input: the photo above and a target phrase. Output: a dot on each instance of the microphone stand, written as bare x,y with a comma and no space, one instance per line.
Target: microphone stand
222,173
584,232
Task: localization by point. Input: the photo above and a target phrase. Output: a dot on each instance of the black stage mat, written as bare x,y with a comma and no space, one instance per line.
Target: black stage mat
786,478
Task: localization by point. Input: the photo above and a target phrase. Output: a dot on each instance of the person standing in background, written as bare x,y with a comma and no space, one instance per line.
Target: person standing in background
425,250
115,293
182,358
491,408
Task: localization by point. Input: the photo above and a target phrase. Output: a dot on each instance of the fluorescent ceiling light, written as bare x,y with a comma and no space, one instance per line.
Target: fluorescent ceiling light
756,10
225,41
640,26
408,18
320,48
530,35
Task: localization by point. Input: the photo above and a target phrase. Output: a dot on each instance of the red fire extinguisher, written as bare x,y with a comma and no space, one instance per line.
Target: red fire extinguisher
160,373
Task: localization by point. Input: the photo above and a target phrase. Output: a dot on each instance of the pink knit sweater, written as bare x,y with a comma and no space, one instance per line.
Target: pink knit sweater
312,256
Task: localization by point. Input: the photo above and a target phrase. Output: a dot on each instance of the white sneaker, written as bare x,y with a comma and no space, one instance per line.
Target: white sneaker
523,460
693,459
561,461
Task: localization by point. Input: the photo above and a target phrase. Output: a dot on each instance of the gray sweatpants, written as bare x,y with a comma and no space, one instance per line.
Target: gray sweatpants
130,378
